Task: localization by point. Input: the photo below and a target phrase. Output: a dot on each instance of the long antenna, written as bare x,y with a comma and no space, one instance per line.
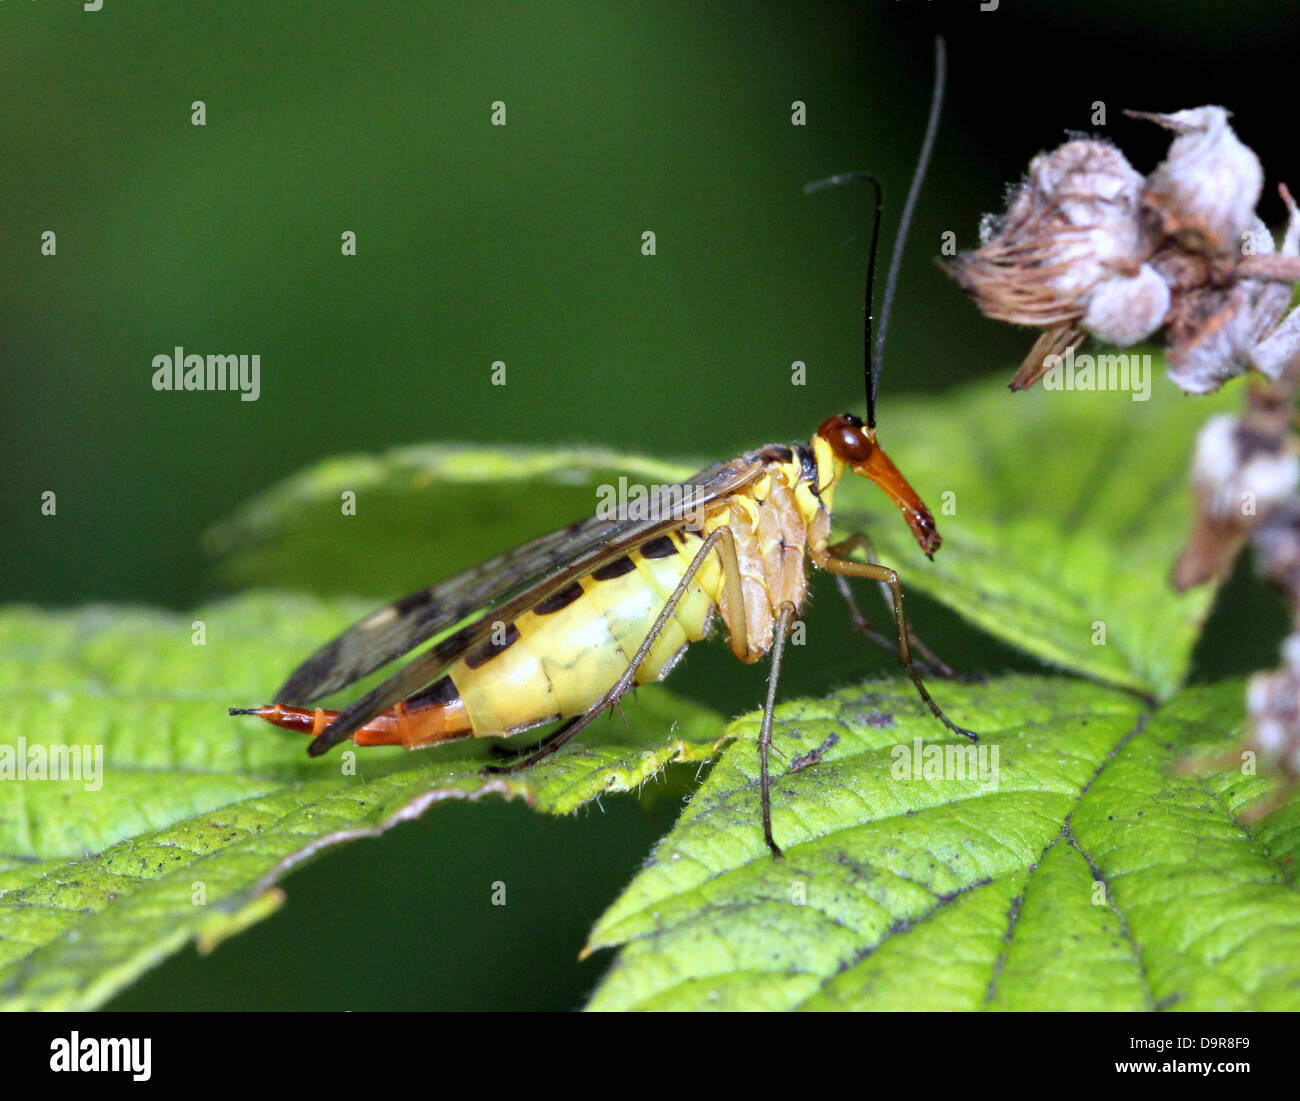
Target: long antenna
836,181
874,353
918,177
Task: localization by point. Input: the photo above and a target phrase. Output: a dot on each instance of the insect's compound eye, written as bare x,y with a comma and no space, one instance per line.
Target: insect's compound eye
848,437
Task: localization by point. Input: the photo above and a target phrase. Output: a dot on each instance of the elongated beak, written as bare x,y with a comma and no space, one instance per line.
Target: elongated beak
880,469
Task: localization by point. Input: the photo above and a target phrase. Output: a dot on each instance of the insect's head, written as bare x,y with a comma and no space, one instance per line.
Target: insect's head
854,444
850,439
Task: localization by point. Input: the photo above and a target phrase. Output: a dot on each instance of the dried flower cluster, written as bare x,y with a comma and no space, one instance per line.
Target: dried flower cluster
1246,473
1087,247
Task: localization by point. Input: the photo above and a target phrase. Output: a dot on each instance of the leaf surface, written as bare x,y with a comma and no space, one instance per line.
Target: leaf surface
193,815
1075,870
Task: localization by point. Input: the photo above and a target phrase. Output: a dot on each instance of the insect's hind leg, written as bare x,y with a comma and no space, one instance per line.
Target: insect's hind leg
931,665
925,657
843,567
553,742
513,753
543,749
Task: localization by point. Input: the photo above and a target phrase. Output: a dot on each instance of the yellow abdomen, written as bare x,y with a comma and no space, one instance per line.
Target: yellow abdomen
559,659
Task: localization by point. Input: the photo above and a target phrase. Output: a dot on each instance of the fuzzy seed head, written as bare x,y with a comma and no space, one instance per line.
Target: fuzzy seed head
1125,309
1204,192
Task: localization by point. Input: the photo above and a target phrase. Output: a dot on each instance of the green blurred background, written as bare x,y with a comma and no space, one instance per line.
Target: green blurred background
519,243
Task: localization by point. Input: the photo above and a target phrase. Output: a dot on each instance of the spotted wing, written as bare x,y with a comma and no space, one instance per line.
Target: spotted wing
396,628
509,586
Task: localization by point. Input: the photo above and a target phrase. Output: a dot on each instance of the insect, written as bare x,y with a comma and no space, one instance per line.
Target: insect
568,623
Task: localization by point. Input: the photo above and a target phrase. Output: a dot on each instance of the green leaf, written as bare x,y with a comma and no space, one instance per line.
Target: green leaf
422,514
195,814
1069,510
1091,875
199,815
1061,512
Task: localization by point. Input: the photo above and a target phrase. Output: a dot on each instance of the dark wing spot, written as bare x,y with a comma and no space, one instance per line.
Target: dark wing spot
410,603
319,667
776,453
614,569
556,601
661,546
460,638
440,692
488,649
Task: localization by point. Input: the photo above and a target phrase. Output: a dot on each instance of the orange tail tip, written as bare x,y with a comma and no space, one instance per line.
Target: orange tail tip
413,728
291,718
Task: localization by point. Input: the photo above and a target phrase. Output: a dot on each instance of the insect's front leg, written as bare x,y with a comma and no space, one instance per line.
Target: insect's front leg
843,567
927,659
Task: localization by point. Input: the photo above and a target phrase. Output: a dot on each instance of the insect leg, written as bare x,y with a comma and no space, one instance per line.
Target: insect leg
872,572
863,626
550,744
765,731
928,658
547,746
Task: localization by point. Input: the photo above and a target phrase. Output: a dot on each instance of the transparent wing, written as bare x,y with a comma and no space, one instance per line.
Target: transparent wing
396,628
500,590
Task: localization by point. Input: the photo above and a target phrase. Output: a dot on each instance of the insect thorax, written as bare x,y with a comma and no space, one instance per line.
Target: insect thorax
774,522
